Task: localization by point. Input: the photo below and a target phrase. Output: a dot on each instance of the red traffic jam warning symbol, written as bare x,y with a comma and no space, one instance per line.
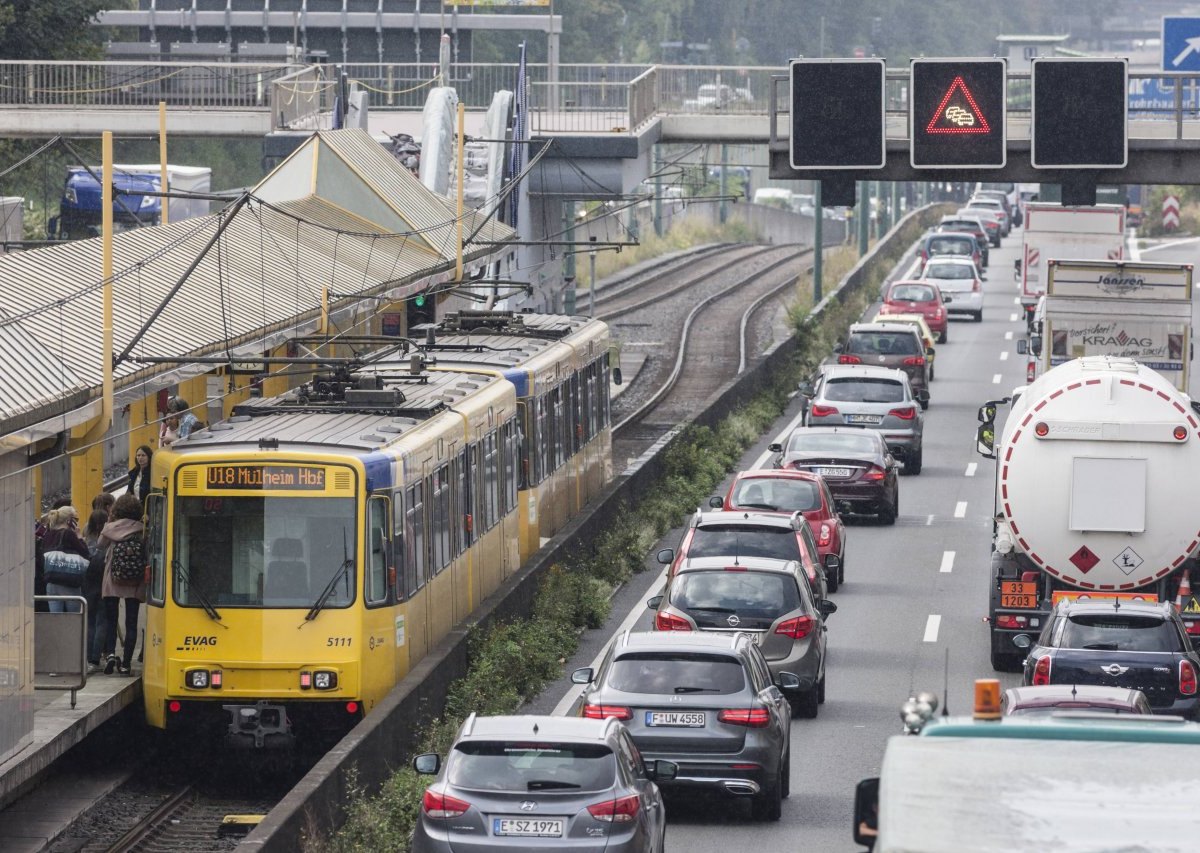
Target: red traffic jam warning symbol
1084,559
958,112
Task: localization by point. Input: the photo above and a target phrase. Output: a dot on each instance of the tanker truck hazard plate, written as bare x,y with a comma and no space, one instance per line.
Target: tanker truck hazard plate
1018,594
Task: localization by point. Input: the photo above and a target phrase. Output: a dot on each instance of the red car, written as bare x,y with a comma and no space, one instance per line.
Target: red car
785,492
917,297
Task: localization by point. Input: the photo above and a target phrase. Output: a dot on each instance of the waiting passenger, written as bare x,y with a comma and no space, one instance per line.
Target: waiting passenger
188,423
64,558
93,579
124,578
139,474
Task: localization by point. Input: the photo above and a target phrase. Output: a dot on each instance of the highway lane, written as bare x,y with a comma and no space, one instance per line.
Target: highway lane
913,592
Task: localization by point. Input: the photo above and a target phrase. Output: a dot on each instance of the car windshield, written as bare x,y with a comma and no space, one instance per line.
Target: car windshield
831,442
777,493
883,343
531,766
997,185
951,246
763,595
855,390
911,293
950,271
1125,633
744,540
664,673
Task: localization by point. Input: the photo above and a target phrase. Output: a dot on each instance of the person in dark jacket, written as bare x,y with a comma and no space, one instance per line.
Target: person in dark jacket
91,585
139,474
126,523
61,537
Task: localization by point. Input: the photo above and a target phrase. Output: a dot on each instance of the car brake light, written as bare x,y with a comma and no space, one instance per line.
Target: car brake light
1041,671
915,360
603,712
874,473
620,810
905,414
1187,678
755,718
937,313
797,628
849,359
826,535
819,411
441,806
976,285
670,622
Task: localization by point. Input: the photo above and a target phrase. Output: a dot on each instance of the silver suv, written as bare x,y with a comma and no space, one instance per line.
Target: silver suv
542,783
705,702
774,605
875,398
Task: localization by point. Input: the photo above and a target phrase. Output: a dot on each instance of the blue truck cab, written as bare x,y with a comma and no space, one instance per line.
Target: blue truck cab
80,209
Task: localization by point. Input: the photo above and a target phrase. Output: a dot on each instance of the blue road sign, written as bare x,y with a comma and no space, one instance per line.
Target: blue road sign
1181,44
1154,98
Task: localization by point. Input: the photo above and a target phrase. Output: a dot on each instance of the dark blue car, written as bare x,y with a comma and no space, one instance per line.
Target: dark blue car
1119,643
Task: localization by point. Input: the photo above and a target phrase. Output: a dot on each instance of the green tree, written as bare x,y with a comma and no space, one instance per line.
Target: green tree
59,29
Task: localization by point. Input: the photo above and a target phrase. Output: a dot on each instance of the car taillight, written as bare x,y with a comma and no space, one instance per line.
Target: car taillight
1193,628
976,285
1187,678
849,359
874,473
441,806
937,313
670,622
755,718
1041,670
915,360
620,810
905,414
797,628
826,535
819,411
603,712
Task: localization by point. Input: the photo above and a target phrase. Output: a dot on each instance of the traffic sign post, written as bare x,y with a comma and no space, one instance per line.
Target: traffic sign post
1080,114
1170,213
1180,44
837,119
957,113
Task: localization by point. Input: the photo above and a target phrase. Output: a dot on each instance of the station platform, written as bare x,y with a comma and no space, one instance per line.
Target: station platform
37,803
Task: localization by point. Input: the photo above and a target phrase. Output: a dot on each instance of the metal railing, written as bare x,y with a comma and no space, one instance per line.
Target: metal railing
60,646
643,98
303,100
98,85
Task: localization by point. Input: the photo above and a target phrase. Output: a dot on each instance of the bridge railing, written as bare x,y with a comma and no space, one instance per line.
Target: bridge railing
643,98
303,100
100,85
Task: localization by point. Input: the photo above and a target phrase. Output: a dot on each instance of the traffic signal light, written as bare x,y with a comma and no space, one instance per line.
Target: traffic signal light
420,310
1080,114
957,113
837,119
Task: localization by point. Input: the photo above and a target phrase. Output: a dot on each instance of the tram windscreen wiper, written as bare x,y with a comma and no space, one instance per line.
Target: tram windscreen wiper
319,604
194,590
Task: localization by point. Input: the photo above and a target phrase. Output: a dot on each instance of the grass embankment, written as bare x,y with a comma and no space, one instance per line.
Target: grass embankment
684,235
514,660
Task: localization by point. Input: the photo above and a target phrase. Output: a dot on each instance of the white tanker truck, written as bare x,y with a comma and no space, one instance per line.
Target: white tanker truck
1096,473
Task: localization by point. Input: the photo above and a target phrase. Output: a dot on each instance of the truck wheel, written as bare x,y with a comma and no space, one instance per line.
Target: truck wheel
1006,662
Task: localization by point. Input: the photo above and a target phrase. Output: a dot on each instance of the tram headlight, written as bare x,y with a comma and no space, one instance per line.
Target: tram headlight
324,679
202,679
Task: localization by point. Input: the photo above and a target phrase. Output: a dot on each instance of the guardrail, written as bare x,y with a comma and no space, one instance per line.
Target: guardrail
99,85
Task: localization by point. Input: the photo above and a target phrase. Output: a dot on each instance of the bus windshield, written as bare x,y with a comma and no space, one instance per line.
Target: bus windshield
262,551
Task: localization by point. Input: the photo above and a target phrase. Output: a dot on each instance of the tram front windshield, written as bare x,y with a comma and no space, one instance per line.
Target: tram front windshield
262,551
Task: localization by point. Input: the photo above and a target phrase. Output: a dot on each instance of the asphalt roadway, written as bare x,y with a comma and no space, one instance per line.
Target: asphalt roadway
913,603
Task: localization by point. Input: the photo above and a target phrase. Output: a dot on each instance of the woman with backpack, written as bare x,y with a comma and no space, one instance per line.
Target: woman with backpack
64,557
124,578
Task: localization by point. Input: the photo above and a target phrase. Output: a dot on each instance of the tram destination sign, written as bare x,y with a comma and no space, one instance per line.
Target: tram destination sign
266,477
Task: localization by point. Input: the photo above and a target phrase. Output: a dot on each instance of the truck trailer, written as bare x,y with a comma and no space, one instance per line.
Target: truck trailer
1096,463
1054,232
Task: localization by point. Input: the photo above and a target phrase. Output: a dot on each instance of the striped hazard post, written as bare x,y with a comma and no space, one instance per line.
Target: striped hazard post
1170,212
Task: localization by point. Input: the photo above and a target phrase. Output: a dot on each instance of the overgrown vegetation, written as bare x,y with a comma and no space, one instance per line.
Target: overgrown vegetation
683,235
512,661
1189,211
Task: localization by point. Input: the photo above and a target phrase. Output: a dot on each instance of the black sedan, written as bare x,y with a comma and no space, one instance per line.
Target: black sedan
856,465
1119,643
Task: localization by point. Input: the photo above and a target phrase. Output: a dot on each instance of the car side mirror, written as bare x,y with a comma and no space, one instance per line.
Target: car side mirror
1035,344
985,440
833,562
788,681
775,448
1022,347
428,763
930,352
654,602
827,607
947,299
866,812
583,676
716,502
839,347
987,413
1017,264
617,378
662,769
666,556
922,396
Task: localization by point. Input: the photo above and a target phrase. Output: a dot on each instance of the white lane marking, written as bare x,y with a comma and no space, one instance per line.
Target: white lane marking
971,468
914,270
639,607
960,509
996,379
1012,318
947,561
1008,336
1131,241
1004,355
779,439
929,521
1016,300
931,627
1167,245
